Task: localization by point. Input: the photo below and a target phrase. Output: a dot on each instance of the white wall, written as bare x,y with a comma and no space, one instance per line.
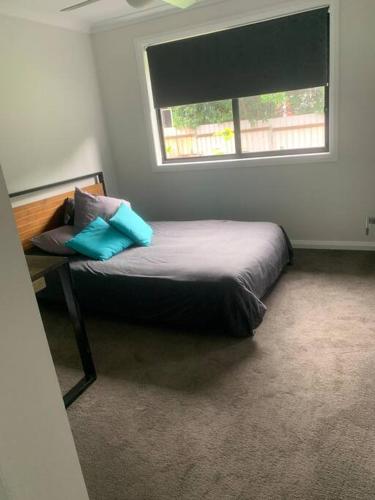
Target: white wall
51,121
315,201
38,460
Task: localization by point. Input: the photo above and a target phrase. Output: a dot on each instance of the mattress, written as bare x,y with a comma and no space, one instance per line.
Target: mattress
210,274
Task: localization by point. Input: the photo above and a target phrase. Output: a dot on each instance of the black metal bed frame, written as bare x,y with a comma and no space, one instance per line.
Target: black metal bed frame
74,310
98,175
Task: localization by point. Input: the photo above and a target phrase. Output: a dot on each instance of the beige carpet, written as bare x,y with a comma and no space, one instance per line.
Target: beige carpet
287,415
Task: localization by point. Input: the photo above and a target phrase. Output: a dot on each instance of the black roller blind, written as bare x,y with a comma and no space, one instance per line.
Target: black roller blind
281,54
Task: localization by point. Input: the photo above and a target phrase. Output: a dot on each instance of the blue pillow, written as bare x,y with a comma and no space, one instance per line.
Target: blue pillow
99,240
132,225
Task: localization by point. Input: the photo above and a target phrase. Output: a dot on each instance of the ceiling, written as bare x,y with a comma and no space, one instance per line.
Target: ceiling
93,16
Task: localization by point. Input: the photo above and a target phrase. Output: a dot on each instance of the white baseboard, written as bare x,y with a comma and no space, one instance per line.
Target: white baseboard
334,245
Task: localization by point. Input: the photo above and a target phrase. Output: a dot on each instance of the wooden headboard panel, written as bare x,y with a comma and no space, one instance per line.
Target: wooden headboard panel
36,217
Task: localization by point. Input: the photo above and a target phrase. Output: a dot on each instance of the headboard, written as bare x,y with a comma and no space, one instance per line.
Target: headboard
47,213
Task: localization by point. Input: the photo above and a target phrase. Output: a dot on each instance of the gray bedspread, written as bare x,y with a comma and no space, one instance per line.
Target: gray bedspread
208,273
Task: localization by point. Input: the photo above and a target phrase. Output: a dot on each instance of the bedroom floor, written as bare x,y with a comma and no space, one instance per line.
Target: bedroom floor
289,414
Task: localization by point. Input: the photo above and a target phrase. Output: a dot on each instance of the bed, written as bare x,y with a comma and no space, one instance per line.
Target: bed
210,273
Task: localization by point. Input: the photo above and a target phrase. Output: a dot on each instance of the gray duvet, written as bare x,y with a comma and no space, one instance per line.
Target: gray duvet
211,274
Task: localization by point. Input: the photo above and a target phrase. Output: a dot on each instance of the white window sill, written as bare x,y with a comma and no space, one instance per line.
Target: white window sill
271,161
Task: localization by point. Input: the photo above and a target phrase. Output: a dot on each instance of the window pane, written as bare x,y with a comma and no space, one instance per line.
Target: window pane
283,121
198,130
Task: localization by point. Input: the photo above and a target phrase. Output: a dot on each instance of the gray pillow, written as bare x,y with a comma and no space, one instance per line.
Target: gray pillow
69,211
88,207
54,241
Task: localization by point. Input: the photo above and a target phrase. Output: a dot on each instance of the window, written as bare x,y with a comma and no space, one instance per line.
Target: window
254,91
284,122
199,130
278,123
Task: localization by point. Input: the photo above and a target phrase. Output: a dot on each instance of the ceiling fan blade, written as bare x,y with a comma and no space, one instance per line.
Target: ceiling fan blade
138,3
182,4
78,5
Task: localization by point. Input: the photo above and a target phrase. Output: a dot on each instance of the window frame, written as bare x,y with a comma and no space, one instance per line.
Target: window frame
239,154
328,153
